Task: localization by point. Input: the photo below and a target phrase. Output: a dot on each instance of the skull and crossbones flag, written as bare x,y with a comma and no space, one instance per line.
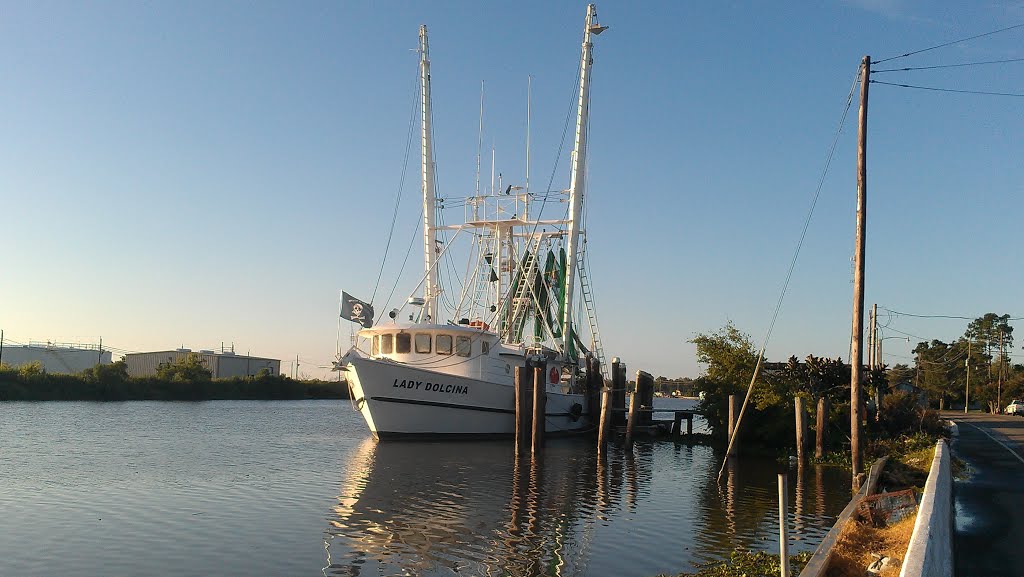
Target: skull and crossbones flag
356,310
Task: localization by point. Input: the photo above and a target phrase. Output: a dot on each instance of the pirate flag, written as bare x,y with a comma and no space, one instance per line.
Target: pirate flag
356,310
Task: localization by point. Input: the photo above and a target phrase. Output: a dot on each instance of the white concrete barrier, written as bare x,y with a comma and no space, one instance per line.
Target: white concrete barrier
931,545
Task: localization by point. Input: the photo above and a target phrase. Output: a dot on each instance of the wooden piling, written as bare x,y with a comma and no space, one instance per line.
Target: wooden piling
634,412
734,412
821,435
801,427
605,423
689,424
645,392
524,409
618,414
540,402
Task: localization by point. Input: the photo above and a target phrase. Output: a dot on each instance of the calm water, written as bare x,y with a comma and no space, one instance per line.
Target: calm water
299,488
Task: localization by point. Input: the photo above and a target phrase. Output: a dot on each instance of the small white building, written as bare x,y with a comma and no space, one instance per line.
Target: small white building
222,364
56,358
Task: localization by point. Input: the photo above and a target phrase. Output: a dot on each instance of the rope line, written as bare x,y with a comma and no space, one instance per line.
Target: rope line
792,267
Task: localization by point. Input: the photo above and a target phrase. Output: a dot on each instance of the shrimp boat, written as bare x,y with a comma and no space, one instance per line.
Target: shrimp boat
450,370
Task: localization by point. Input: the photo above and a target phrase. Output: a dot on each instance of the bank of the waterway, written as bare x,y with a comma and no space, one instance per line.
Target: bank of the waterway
299,488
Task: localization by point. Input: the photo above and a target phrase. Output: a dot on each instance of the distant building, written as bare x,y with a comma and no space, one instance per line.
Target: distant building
221,364
56,358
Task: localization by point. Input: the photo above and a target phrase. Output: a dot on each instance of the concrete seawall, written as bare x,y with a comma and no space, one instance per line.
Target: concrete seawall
930,551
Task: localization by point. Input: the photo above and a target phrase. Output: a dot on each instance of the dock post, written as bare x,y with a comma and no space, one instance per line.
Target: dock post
801,427
524,408
540,401
605,424
645,389
822,424
634,409
689,424
734,413
618,413
677,425
783,527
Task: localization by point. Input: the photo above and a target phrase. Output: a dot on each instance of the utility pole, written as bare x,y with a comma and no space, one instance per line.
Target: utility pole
967,363
856,354
99,357
1,346
999,386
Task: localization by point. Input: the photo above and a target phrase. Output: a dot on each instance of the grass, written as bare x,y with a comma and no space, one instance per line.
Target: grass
748,564
857,541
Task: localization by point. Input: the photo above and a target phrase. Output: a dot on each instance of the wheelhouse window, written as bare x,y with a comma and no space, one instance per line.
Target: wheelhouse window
403,343
423,343
463,346
375,350
485,347
385,344
444,344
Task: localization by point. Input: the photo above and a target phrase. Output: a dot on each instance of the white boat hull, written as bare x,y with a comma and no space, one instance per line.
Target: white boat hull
399,401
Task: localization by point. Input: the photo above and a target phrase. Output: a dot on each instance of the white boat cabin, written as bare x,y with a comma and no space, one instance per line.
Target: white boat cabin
468,350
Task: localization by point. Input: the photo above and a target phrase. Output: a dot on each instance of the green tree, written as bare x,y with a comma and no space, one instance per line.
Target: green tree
116,372
189,368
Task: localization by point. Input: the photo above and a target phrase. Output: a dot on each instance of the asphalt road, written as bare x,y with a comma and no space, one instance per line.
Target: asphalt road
989,502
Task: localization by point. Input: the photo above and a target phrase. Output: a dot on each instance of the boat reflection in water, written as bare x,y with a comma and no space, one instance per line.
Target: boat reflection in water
469,508
473,509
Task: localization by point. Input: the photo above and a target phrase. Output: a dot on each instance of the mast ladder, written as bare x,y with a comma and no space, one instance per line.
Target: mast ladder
588,301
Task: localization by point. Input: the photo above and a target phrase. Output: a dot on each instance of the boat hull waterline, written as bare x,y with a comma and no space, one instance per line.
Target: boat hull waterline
400,401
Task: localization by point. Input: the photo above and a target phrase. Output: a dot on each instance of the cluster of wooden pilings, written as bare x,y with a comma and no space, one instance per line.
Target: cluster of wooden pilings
604,397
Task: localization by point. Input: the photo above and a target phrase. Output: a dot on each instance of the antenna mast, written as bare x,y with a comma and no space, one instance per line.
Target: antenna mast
576,182
430,287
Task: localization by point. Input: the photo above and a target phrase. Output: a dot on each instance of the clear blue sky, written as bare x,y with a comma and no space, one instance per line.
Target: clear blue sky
196,172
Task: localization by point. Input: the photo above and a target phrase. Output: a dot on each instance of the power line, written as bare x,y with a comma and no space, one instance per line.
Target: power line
935,89
948,43
961,65
938,316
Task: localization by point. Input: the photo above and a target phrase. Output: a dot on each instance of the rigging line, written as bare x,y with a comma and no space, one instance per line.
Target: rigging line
415,235
939,316
948,44
792,267
401,182
935,89
961,65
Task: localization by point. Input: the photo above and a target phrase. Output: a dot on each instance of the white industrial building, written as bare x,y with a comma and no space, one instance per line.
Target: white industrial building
56,358
223,364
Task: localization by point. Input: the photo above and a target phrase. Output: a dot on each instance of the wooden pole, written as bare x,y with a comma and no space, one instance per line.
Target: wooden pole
689,424
783,527
856,354
645,387
801,427
540,402
821,434
618,393
605,424
634,410
733,414
524,408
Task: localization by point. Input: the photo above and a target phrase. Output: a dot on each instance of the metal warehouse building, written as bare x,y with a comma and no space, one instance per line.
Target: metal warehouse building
221,364
56,358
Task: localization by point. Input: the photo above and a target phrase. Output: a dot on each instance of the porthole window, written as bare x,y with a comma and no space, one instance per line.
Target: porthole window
444,344
403,343
375,350
463,346
423,343
385,344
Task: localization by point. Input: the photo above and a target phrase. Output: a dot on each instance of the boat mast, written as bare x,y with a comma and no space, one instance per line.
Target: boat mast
576,182
430,287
